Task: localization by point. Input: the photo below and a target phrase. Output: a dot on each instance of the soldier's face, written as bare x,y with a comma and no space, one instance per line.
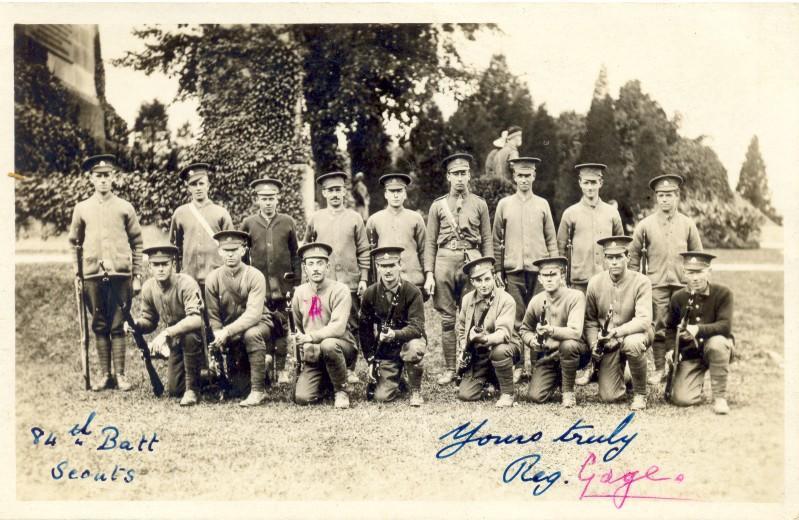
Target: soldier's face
697,280
590,187
334,196
161,269
102,181
389,272
458,178
616,263
232,256
524,180
267,202
667,200
484,283
396,197
315,269
551,278
198,188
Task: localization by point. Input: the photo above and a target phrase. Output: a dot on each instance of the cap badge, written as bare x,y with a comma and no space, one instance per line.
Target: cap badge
102,163
693,260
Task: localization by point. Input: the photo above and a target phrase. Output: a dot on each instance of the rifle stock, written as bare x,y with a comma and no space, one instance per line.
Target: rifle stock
569,247
644,254
502,252
217,375
372,264
469,353
672,375
374,363
83,320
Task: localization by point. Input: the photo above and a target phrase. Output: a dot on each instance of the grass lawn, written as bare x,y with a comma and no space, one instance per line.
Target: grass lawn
748,256
219,451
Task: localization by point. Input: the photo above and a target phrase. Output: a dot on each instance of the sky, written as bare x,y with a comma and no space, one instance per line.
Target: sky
729,70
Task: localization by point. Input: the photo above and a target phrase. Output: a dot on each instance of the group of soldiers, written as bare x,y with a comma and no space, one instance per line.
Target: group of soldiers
574,298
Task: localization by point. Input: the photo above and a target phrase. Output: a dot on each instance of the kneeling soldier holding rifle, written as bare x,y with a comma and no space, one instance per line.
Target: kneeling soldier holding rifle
321,309
485,328
391,328
701,317
173,299
560,349
234,295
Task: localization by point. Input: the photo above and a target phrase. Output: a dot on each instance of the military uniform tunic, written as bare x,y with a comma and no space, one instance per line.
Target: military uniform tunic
405,229
198,250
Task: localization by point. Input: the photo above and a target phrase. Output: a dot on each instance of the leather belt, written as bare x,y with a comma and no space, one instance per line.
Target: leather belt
456,244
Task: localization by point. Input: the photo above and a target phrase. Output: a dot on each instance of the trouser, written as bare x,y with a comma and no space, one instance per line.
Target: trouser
390,373
280,327
573,355
329,370
246,360
522,286
661,298
690,376
103,300
184,364
487,367
451,285
611,367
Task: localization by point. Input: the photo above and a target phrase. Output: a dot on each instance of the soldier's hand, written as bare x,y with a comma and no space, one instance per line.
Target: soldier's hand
361,288
693,330
301,338
543,330
387,336
127,328
136,285
221,337
160,345
430,284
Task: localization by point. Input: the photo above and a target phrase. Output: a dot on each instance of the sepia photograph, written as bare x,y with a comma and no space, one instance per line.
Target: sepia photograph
399,260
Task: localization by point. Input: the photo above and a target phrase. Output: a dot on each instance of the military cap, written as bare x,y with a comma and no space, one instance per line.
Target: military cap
457,160
232,238
100,163
596,170
161,252
315,250
524,164
479,266
267,186
668,182
614,245
395,180
387,254
555,261
514,130
194,170
331,179
696,260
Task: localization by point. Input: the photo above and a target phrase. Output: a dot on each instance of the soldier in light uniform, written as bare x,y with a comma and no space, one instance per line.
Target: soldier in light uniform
173,300
630,333
458,229
398,304
274,252
668,233
108,230
343,229
193,225
563,350
508,152
707,341
491,158
398,226
234,295
321,309
523,222
496,345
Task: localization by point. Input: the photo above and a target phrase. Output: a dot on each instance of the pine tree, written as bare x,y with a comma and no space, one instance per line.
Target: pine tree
753,182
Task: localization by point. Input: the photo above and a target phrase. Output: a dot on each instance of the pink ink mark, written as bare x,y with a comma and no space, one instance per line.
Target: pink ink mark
621,493
316,308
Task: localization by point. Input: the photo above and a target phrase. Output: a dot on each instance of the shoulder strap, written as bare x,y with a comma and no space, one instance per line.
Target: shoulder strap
451,218
202,221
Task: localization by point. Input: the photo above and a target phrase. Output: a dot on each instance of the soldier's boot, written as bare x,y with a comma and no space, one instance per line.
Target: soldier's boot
504,371
639,402
415,383
123,383
504,401
720,406
446,377
416,398
104,355
342,399
283,377
118,353
656,377
568,400
190,398
352,377
255,398
583,376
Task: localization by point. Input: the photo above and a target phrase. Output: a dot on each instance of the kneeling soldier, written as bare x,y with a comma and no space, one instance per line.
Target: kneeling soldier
485,328
321,309
702,316
234,295
625,296
173,299
391,328
553,327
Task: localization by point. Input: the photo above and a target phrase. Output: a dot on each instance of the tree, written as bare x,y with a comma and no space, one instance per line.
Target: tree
570,131
753,182
152,148
541,140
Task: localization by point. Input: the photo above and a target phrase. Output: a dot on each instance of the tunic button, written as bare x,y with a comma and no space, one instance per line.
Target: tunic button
697,318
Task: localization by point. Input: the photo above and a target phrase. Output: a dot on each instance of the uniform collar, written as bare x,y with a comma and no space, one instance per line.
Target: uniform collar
267,220
525,198
201,205
107,198
235,271
585,202
169,282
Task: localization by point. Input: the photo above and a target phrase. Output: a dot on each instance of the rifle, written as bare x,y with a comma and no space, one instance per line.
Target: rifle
291,340
372,263
541,340
569,248
502,273
138,337
601,349
644,254
675,360
469,352
373,374
83,320
216,374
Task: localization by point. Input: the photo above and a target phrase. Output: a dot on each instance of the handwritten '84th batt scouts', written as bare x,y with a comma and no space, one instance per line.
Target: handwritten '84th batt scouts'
231,305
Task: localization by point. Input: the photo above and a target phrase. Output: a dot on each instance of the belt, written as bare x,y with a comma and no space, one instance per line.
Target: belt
456,244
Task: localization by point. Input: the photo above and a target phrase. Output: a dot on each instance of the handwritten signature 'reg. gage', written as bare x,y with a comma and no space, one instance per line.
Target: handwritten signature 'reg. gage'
597,483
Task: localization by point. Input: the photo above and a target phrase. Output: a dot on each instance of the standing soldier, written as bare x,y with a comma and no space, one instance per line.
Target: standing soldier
523,225
626,297
485,327
458,229
193,225
701,314
321,309
553,328
665,233
344,229
360,196
509,151
107,229
173,299
235,294
491,158
274,253
392,328
398,226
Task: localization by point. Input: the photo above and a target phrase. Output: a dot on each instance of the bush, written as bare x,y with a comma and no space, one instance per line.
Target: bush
492,189
725,224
